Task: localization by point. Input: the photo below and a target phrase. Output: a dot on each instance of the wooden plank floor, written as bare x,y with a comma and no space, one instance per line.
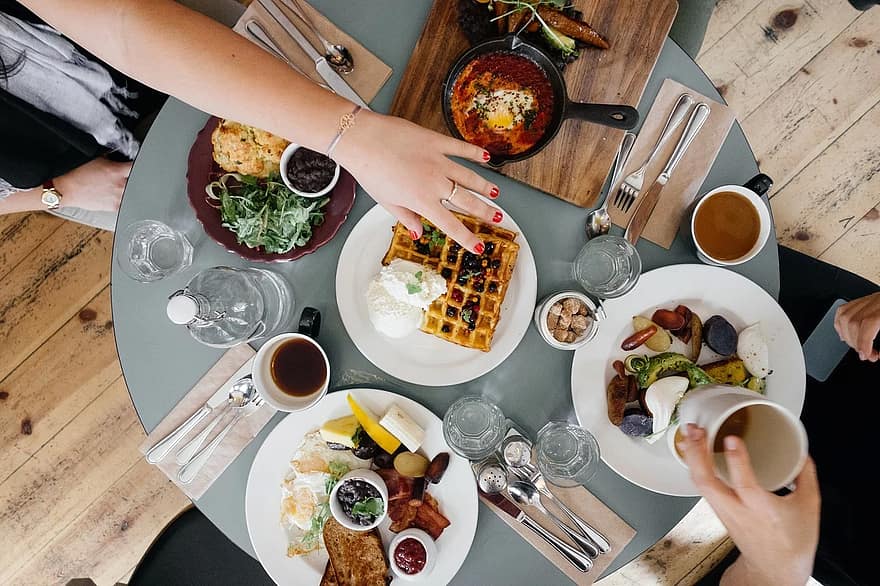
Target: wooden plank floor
76,499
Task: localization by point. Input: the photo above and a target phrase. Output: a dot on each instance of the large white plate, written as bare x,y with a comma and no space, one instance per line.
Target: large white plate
421,358
707,291
456,492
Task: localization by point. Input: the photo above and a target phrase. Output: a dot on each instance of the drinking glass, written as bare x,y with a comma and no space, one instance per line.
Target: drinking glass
153,251
607,266
473,427
567,454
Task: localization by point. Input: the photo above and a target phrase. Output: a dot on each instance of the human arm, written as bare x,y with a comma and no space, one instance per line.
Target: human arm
96,185
858,324
180,52
776,535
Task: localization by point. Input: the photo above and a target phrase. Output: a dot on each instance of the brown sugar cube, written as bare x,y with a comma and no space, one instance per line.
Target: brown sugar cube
560,335
571,305
583,309
579,324
569,337
564,320
556,308
552,321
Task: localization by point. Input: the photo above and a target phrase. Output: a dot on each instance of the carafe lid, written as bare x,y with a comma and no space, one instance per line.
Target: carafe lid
182,308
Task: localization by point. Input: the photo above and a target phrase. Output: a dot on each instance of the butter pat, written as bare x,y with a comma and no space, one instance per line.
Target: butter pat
403,427
340,431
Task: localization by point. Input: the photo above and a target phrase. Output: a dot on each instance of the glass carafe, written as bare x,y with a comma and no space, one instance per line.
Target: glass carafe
225,306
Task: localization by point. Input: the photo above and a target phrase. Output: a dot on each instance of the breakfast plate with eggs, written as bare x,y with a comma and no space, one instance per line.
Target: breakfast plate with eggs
304,462
645,457
428,312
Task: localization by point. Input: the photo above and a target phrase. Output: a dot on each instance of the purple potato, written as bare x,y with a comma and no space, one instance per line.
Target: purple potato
637,423
719,335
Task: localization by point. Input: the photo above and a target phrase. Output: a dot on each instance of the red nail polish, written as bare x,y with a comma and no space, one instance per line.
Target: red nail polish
497,217
413,235
479,248
486,155
494,193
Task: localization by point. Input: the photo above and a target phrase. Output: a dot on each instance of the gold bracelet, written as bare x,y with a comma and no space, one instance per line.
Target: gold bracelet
345,122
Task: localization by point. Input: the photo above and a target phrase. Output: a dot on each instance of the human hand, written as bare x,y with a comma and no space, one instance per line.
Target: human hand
777,535
858,323
405,168
96,185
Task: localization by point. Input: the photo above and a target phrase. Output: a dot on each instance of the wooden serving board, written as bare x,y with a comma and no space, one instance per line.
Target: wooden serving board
575,164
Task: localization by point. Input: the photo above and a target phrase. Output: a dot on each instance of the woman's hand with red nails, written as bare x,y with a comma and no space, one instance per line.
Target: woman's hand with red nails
777,535
858,324
407,169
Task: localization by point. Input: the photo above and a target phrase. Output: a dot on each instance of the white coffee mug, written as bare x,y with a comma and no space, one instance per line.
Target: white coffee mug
774,436
262,374
763,233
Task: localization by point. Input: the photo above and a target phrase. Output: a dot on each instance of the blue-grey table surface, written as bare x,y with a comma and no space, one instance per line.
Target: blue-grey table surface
161,361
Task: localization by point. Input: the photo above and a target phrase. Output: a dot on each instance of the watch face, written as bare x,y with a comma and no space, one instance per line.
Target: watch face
51,199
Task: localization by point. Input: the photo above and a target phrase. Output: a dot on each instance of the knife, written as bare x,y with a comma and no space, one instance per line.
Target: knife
578,559
646,207
158,452
333,79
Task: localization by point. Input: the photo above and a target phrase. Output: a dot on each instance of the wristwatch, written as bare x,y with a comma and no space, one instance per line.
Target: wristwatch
51,196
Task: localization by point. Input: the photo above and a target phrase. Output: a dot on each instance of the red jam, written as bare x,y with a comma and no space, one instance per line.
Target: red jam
410,556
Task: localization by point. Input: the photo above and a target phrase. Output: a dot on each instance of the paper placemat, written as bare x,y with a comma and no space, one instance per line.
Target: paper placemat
234,364
688,177
369,74
585,505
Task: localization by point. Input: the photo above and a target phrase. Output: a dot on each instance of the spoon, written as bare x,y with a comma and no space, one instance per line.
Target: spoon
492,479
526,493
244,404
236,392
338,56
599,220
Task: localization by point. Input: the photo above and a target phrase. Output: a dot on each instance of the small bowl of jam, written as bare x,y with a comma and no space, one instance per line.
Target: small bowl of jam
308,173
359,501
412,554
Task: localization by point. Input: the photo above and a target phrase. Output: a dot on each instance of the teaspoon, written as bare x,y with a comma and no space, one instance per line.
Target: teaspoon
599,220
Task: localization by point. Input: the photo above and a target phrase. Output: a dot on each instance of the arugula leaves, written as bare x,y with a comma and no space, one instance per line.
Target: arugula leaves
322,511
265,212
371,507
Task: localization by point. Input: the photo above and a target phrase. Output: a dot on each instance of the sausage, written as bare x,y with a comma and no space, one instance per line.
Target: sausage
573,28
638,338
437,467
616,394
619,368
501,14
669,320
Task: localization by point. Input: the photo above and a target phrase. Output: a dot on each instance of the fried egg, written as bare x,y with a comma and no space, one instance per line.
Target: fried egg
303,489
504,108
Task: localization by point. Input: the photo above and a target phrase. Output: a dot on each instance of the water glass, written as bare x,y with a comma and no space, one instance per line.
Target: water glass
567,454
473,427
153,251
607,266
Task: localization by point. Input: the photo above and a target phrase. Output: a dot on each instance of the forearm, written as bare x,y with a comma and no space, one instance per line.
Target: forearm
201,62
22,201
742,573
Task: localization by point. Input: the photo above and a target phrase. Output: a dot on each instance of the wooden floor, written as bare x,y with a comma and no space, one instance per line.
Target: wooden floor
76,499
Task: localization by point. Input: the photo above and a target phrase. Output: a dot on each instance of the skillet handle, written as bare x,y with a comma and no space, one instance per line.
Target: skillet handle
613,115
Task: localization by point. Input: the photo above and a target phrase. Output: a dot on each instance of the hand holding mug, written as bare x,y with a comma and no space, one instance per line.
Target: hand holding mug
777,535
858,324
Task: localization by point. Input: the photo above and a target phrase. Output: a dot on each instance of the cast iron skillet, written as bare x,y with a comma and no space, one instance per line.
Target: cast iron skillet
615,116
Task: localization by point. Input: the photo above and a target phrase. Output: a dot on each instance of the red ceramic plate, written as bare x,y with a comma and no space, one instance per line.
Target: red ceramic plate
202,170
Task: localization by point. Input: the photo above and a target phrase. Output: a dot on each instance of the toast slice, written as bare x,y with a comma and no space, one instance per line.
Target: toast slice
357,557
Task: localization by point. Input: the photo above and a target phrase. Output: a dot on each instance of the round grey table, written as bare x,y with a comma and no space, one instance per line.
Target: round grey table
161,361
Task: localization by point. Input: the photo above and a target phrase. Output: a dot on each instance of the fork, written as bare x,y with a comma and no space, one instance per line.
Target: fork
632,185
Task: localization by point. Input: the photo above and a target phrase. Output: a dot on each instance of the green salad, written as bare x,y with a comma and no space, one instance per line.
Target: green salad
265,213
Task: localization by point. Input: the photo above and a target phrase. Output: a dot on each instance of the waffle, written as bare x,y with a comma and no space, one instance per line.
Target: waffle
469,312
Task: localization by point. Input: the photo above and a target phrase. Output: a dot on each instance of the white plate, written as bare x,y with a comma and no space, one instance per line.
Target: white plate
421,358
456,492
707,291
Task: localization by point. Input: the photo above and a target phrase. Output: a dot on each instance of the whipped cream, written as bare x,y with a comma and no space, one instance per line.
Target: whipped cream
399,294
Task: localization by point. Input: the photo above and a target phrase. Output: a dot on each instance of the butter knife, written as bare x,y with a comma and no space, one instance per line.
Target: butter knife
324,69
158,452
646,207
577,558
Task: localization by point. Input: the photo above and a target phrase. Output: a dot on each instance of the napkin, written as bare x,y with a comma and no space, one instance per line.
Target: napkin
580,500
234,364
683,187
369,73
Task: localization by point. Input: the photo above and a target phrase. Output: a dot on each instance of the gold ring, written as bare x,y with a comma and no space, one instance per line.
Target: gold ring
452,193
